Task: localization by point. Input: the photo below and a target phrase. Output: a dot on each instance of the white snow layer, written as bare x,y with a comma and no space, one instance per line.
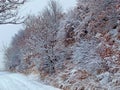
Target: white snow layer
9,81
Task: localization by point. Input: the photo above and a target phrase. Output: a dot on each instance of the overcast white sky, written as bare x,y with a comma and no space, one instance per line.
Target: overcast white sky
31,7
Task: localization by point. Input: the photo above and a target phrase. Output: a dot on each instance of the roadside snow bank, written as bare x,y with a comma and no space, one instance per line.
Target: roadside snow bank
9,81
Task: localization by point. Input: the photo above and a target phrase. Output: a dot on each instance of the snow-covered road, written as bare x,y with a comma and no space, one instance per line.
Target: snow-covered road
9,81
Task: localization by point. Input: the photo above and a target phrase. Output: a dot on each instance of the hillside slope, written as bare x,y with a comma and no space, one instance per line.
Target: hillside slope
81,51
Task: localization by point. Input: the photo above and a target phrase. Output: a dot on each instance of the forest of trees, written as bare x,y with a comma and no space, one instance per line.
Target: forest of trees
38,45
51,41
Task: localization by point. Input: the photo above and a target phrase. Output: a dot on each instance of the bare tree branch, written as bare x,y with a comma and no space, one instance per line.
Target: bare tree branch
9,11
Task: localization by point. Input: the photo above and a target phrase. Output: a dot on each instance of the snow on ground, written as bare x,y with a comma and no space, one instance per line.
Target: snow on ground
12,81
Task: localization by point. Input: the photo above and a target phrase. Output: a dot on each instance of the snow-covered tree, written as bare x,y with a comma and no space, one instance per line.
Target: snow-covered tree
37,41
51,18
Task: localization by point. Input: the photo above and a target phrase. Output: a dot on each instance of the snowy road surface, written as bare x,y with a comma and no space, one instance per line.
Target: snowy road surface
9,81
